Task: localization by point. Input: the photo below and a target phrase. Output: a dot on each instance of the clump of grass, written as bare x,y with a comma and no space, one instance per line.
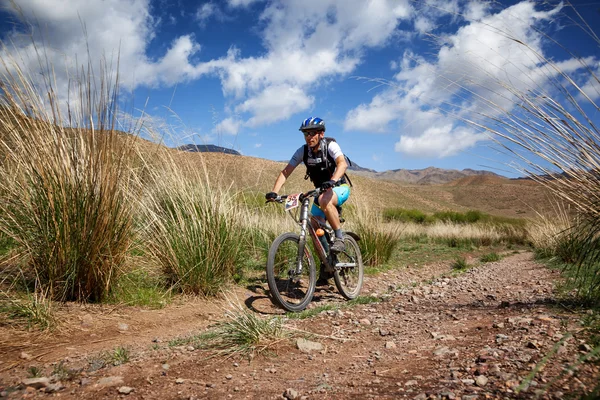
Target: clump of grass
245,333
405,215
376,244
34,372
490,257
118,356
140,287
32,309
61,372
64,200
460,264
311,312
194,230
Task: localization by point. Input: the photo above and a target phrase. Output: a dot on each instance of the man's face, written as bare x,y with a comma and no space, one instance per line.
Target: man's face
313,137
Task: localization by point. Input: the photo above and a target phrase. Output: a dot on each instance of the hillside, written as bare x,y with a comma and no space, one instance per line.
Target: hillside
486,192
427,176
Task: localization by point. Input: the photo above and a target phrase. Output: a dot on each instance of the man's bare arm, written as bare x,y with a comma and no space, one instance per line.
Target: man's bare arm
283,175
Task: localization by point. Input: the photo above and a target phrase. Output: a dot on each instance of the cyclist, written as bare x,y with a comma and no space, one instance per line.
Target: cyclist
325,166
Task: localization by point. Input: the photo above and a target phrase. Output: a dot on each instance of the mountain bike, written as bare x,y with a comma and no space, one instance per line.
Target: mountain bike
291,272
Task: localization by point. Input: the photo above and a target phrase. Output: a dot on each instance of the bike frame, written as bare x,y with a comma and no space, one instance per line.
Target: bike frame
306,224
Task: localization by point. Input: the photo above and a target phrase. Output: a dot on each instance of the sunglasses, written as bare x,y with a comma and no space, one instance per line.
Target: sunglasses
310,133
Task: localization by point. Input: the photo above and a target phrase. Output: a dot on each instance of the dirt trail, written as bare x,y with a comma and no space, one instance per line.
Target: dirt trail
475,335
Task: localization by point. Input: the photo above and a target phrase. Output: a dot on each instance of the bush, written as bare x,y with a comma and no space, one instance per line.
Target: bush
460,264
376,246
193,231
64,189
404,215
490,257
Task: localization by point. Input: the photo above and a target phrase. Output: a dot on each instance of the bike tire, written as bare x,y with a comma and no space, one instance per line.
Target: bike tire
349,280
291,293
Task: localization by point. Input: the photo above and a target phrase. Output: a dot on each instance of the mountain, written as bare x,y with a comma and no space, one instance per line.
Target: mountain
207,148
356,167
427,176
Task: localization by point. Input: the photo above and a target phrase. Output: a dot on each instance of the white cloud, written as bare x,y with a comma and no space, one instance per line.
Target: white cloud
229,126
274,104
307,43
241,3
207,11
115,28
468,77
439,141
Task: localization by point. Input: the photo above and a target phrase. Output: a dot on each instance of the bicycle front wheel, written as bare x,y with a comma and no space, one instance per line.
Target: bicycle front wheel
349,270
291,287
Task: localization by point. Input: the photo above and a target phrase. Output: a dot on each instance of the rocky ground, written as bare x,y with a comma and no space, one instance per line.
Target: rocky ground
474,335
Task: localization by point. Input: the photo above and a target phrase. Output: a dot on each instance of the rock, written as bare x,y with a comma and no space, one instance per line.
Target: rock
306,346
365,321
481,380
441,351
53,387
110,381
165,367
390,345
412,382
585,347
179,381
125,389
290,394
36,383
25,356
122,326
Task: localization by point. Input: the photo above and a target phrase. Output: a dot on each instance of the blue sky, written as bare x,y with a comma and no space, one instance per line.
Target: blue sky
245,73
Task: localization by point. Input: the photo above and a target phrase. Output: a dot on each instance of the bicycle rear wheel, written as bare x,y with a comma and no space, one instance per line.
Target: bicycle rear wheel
290,290
349,271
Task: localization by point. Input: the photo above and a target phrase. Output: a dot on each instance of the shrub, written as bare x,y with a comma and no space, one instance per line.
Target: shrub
460,264
194,230
376,244
490,257
404,215
65,204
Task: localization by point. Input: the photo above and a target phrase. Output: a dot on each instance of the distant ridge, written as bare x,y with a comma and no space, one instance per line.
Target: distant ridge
427,176
207,148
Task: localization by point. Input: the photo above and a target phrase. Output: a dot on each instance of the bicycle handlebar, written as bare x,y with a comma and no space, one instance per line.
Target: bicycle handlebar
312,193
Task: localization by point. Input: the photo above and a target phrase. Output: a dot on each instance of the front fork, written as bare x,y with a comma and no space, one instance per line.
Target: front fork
302,240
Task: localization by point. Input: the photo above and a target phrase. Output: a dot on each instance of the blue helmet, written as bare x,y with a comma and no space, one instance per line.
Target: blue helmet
312,124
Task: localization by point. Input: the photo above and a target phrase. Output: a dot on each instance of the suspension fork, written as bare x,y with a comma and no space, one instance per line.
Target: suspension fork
302,240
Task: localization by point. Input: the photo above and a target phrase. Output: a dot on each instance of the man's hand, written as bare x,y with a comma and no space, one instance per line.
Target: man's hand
271,196
328,184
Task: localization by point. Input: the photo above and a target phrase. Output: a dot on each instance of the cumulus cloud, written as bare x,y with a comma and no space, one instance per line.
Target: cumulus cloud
229,126
475,71
114,29
274,104
305,46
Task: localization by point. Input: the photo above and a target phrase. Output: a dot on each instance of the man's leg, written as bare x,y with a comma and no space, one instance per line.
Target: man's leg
328,202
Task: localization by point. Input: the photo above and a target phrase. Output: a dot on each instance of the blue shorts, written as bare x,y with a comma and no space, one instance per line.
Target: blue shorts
342,192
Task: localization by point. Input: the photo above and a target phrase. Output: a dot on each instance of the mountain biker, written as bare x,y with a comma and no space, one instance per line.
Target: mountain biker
326,167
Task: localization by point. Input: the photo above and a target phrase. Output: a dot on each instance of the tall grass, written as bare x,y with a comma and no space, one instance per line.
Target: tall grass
192,230
554,135
65,179
376,244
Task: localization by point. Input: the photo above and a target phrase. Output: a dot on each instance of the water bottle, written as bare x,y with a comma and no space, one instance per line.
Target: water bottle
324,242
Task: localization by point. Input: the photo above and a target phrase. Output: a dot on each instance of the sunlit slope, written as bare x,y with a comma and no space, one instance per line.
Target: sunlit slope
494,195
